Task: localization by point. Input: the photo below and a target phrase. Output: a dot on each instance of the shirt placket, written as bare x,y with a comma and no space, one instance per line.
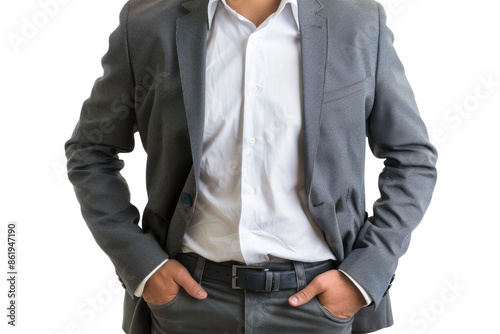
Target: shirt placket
252,153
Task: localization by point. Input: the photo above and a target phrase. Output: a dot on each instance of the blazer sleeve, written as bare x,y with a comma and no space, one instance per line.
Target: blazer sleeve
106,128
397,134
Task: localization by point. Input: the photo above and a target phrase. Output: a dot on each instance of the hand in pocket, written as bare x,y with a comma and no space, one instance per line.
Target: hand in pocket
162,287
335,292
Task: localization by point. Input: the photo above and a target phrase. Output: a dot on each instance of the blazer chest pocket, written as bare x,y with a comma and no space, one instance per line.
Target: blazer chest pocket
337,94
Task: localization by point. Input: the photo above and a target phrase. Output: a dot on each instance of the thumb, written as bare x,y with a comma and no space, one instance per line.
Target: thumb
187,282
304,295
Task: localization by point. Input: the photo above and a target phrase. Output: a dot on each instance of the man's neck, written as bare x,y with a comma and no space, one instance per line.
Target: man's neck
256,11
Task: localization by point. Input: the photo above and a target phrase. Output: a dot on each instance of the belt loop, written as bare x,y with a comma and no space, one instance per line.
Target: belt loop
272,281
300,275
200,266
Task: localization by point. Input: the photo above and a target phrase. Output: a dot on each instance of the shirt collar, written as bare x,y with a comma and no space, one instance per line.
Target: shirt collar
212,7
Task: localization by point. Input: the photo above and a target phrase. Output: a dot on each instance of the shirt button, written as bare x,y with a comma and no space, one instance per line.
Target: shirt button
253,40
251,140
247,234
250,190
253,89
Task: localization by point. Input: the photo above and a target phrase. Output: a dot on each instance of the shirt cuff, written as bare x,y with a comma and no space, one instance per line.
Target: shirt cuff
365,294
140,288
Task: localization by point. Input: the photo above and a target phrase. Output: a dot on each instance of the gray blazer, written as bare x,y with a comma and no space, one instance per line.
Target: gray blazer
354,87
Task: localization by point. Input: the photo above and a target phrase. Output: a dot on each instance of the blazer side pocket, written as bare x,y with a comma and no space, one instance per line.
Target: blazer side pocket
336,94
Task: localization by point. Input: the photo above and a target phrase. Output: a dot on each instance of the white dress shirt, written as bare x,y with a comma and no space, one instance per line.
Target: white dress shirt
252,204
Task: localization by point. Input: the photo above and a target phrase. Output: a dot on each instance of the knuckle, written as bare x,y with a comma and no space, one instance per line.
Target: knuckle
322,285
305,294
319,284
179,273
191,287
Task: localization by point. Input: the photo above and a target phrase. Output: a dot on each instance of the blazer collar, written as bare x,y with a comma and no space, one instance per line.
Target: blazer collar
212,7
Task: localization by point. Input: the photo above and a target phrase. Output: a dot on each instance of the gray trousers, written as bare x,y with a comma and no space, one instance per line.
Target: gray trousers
228,311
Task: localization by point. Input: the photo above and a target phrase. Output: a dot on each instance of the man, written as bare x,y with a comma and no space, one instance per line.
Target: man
254,116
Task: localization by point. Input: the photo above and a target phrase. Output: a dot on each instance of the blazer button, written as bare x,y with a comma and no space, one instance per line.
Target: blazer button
390,284
186,200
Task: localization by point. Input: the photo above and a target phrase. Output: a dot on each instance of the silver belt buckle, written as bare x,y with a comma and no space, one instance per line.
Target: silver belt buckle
234,275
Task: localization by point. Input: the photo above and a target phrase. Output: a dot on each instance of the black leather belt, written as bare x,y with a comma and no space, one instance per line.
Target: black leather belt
268,277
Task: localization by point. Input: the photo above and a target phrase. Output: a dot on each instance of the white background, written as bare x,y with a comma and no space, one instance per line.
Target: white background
447,282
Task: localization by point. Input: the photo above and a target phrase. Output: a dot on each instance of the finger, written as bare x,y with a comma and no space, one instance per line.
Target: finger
184,279
304,295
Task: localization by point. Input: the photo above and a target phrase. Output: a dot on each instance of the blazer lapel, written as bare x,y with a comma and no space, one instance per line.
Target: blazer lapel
191,35
314,47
